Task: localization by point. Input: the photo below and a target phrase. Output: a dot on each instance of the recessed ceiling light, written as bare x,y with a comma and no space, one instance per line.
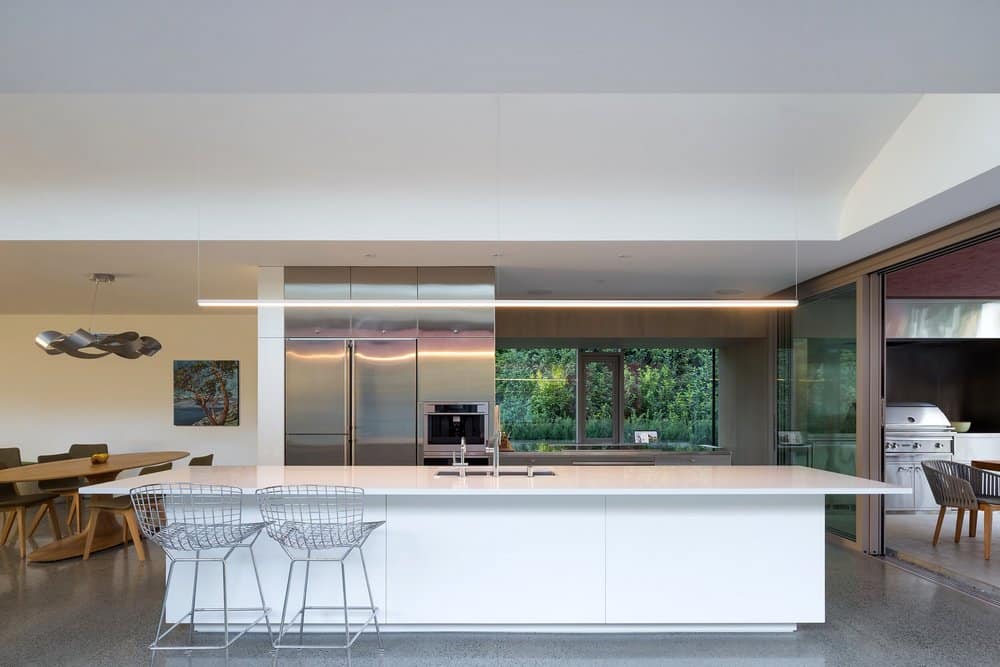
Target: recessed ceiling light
729,291
540,292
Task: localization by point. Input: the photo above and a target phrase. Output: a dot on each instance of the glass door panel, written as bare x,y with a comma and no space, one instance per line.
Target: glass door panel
817,394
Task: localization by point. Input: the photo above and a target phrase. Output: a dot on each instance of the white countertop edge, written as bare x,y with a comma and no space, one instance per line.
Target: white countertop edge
373,491
569,481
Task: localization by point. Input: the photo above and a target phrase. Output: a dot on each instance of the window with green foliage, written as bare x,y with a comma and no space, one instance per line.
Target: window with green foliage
671,391
536,391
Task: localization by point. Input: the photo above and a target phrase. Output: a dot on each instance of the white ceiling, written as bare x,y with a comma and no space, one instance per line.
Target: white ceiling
457,167
499,45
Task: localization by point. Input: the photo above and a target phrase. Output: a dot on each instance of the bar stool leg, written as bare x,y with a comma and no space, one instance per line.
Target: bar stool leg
284,607
347,623
225,608
260,592
163,607
305,593
371,600
194,595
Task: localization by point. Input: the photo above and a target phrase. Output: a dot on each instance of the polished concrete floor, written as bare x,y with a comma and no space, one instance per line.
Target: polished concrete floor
102,612
910,535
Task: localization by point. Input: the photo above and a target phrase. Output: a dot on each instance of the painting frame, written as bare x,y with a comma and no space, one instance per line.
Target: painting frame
206,392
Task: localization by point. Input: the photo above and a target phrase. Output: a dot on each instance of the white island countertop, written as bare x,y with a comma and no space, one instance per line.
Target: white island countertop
567,481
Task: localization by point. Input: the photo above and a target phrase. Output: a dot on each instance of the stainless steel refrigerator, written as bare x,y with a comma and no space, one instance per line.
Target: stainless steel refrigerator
350,402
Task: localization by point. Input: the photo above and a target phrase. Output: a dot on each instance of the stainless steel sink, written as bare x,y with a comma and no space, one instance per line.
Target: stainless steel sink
504,472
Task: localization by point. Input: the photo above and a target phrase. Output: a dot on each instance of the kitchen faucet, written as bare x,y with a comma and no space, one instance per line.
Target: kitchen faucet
461,464
494,451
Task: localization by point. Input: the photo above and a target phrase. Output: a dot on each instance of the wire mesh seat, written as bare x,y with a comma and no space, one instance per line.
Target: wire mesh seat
184,518
320,523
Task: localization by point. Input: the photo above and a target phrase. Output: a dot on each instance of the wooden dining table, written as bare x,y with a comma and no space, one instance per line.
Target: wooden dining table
987,465
109,532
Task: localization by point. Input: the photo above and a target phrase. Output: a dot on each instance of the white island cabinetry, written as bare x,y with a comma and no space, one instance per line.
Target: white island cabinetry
588,549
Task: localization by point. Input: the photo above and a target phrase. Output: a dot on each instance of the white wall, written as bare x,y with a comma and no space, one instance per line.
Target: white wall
48,402
271,368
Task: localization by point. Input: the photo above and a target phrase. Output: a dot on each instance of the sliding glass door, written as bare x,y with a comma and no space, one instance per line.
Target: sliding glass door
817,394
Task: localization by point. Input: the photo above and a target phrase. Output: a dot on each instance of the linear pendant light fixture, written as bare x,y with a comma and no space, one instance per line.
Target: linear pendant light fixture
498,303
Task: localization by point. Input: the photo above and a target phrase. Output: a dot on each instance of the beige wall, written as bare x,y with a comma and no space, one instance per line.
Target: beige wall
744,408
49,402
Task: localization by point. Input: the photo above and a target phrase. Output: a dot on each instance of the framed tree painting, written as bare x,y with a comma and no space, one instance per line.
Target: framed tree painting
206,393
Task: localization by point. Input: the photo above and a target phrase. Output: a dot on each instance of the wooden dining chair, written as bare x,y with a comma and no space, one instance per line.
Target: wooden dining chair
83,451
120,506
205,460
13,505
965,488
65,487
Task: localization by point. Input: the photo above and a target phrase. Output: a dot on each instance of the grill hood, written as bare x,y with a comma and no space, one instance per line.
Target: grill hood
915,417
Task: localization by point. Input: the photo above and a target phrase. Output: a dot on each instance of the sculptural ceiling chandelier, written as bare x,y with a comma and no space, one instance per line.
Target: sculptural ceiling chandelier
84,344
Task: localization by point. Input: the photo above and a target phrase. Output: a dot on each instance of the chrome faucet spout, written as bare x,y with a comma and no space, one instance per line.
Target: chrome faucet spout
494,452
461,463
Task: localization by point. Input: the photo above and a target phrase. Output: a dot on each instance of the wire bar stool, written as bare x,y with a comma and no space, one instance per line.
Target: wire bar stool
184,518
316,523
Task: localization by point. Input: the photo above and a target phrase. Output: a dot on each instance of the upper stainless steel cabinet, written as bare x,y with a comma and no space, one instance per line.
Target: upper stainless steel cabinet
384,283
456,282
317,282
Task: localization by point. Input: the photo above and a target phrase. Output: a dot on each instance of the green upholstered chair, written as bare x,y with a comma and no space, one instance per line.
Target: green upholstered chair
205,460
14,504
66,487
69,487
83,451
120,505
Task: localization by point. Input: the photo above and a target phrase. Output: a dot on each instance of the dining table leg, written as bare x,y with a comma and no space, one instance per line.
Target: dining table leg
107,534
7,525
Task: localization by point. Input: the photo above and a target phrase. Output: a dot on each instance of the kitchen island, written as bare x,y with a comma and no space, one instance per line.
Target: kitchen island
586,549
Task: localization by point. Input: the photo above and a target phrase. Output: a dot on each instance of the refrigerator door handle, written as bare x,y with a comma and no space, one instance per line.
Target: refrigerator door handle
351,403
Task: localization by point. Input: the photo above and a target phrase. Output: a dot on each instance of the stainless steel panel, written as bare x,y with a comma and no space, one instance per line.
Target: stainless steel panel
384,283
385,401
316,450
386,455
942,319
456,282
915,416
316,386
456,370
305,282
899,472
